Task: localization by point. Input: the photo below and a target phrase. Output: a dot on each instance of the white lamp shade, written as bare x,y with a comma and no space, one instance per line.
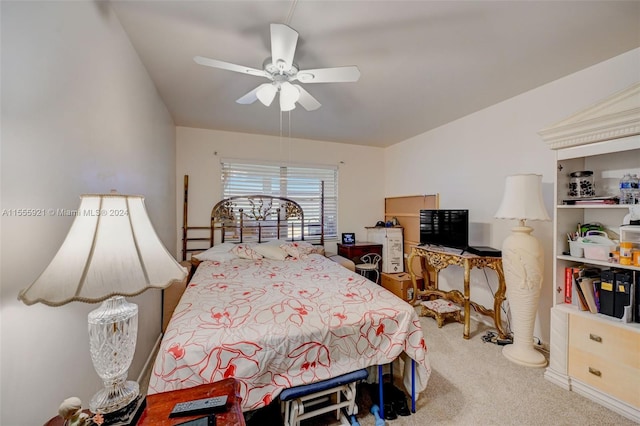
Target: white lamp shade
266,93
289,95
111,249
523,198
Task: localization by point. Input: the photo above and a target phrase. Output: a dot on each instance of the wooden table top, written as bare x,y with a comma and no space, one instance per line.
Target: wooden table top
159,405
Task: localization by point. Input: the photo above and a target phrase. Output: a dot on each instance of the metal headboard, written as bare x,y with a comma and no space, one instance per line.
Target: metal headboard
257,218
251,218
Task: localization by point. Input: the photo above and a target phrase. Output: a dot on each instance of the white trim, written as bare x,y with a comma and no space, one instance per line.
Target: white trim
150,359
260,162
615,117
604,147
605,400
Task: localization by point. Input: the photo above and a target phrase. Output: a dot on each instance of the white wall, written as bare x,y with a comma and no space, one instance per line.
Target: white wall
467,160
79,115
199,152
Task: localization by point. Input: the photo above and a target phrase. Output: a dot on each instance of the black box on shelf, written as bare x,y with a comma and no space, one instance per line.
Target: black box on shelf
623,292
636,296
607,293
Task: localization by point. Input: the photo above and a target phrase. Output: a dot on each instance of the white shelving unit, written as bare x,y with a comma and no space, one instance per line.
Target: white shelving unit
593,354
392,247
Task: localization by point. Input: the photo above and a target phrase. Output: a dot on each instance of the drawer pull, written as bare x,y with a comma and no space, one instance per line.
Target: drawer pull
595,338
595,372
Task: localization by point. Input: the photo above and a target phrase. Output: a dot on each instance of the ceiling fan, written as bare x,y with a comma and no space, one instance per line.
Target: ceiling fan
282,71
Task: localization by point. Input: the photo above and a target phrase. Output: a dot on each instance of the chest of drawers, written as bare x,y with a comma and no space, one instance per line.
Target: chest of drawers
606,357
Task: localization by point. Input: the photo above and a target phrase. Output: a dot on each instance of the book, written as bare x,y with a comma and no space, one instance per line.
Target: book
581,298
596,293
591,201
568,280
579,272
586,288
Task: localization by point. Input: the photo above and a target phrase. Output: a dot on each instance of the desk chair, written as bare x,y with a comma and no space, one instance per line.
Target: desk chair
369,263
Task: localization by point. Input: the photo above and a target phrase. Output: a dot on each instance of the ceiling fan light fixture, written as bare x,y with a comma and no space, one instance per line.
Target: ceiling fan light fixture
266,93
286,106
289,95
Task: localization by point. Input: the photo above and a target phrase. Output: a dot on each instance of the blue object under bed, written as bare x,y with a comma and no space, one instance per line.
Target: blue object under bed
303,390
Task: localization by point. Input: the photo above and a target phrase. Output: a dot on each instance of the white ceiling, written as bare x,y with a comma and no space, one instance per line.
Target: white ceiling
423,63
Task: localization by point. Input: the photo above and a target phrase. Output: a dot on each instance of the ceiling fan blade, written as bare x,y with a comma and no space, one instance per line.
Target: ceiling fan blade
252,96
307,101
283,45
229,66
329,75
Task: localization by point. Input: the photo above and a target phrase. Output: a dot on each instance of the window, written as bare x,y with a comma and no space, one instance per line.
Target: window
300,183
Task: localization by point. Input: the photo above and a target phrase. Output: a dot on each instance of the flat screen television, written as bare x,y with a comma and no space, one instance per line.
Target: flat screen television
448,228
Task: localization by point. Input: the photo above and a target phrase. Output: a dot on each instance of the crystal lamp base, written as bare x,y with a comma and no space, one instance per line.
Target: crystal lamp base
113,398
113,330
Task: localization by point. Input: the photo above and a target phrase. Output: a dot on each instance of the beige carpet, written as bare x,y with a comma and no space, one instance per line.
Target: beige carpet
473,384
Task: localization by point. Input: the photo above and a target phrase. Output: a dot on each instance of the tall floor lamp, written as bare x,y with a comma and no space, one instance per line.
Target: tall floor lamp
522,259
111,251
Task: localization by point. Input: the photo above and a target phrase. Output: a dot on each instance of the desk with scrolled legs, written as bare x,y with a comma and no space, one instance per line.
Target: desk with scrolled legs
438,258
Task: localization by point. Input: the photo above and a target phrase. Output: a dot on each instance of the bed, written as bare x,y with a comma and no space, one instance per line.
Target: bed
277,314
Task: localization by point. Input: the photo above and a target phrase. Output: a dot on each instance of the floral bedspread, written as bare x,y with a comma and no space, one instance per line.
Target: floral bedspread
274,324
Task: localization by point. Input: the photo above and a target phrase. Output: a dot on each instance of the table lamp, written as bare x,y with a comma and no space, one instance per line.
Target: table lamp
523,263
111,251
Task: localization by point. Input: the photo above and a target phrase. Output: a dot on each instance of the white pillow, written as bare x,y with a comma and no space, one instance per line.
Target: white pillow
218,257
219,253
246,251
275,242
270,251
298,249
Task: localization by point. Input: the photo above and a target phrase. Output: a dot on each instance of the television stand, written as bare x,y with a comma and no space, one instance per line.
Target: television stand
433,259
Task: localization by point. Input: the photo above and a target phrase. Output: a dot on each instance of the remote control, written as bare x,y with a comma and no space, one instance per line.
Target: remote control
199,406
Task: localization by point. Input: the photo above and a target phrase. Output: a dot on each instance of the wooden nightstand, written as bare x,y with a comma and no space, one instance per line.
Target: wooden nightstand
357,250
159,405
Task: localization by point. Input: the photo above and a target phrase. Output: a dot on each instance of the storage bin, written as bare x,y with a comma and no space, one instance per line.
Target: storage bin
400,284
630,233
597,246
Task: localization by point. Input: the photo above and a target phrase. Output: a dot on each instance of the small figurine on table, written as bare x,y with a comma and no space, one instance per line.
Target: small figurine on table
71,411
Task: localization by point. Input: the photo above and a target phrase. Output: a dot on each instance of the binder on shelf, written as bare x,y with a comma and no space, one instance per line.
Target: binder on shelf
636,316
622,288
607,293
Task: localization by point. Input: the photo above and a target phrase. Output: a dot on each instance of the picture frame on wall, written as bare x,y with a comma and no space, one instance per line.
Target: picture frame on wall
348,238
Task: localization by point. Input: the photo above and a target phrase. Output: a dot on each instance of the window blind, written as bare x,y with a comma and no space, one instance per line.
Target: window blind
303,184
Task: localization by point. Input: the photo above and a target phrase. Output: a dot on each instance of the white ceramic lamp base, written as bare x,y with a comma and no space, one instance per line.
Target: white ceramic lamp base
522,259
524,355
